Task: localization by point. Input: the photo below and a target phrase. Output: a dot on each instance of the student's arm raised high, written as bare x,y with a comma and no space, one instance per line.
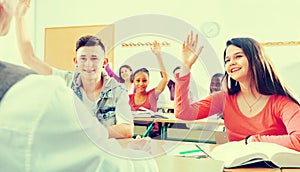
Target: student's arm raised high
24,42
156,49
182,103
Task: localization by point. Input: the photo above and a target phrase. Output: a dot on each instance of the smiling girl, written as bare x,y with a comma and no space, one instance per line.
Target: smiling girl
256,106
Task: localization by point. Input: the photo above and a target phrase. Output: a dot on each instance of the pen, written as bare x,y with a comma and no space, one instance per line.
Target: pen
149,128
190,151
203,151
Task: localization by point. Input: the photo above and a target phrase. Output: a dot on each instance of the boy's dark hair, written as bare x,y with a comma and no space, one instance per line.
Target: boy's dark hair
89,40
218,75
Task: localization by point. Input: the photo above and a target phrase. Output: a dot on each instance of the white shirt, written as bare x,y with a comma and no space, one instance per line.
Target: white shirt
89,104
131,89
45,127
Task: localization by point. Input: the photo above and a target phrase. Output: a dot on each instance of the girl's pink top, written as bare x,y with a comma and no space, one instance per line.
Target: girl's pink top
278,122
150,103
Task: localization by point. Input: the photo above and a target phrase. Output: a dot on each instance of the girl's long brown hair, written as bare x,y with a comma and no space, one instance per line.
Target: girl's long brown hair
263,73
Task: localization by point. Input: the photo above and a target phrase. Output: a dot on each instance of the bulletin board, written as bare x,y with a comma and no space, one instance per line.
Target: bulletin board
60,43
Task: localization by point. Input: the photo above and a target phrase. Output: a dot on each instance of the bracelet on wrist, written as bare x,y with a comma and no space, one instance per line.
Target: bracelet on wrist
246,139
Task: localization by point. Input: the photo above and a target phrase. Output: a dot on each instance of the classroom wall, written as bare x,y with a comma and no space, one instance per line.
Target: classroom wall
266,21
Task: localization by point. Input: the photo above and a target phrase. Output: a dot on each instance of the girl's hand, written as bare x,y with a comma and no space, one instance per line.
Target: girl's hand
156,49
189,53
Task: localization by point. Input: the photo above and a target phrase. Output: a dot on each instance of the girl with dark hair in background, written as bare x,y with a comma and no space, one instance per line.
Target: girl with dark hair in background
125,76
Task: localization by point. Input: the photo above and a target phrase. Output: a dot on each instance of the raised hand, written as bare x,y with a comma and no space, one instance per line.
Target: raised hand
189,52
156,49
22,8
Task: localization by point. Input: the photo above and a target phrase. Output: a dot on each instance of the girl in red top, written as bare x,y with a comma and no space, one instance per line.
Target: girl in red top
142,97
256,105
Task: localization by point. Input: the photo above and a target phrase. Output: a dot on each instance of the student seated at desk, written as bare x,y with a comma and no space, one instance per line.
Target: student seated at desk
216,83
105,98
143,97
256,106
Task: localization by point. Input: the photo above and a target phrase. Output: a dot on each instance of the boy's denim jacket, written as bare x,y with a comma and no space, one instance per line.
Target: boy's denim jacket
112,106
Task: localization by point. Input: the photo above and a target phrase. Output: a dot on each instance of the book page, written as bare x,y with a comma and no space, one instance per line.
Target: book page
236,153
287,159
279,155
270,149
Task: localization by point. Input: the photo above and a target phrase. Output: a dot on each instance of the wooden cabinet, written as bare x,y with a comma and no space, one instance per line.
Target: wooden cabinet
60,43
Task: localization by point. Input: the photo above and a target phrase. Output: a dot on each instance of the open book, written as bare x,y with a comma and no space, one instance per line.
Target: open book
147,114
236,154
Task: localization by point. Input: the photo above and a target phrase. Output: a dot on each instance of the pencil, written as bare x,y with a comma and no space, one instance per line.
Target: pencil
203,151
190,151
149,129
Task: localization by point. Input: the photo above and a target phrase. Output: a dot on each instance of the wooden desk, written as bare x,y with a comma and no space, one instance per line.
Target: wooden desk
182,164
179,164
171,119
